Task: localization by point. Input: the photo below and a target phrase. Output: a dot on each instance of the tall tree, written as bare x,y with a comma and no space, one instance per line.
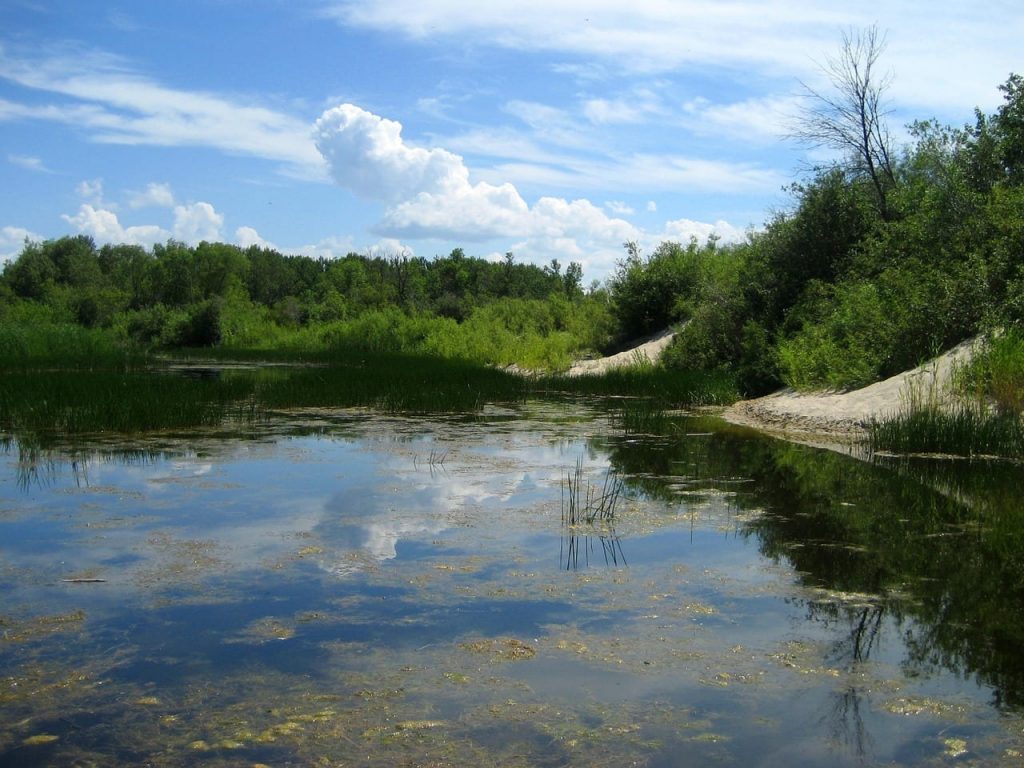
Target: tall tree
851,117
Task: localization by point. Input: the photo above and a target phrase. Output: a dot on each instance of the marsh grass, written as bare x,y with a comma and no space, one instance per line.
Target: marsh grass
978,414
673,388
54,403
644,417
71,403
963,430
46,344
585,504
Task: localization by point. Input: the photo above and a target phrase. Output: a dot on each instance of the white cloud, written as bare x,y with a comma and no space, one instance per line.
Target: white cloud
328,248
761,119
91,191
29,163
155,196
366,154
247,236
619,208
114,105
389,246
942,51
682,230
429,194
104,227
12,241
196,222
652,206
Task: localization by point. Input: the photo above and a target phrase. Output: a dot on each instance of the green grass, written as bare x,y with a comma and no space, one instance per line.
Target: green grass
25,346
664,387
71,403
966,430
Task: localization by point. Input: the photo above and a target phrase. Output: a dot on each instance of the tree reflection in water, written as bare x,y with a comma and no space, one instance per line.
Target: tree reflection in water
931,549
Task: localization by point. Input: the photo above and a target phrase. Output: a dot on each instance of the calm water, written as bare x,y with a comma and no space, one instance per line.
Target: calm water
351,589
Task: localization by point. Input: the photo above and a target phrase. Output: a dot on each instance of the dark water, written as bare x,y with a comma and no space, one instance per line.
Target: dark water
351,589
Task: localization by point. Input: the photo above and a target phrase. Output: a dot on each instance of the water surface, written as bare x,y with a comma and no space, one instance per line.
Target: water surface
346,588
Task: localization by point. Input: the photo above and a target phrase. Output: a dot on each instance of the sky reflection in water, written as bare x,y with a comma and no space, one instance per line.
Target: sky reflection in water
371,589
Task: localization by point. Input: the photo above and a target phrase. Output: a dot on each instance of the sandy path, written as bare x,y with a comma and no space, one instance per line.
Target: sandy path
848,413
649,350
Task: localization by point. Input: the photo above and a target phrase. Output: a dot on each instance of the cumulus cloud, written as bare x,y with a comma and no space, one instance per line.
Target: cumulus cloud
247,236
196,222
366,154
104,227
154,196
428,193
683,230
12,241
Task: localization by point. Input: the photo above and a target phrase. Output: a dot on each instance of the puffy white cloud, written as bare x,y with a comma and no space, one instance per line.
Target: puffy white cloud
104,227
429,194
154,196
196,222
652,206
366,154
247,236
12,240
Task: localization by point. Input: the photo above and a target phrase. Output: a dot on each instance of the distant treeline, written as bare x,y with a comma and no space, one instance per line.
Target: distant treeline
213,294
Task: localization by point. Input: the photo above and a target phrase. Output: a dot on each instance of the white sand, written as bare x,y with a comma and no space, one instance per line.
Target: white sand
850,413
839,415
646,351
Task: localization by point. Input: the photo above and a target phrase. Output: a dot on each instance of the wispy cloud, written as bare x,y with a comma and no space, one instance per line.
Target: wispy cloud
29,163
947,55
112,104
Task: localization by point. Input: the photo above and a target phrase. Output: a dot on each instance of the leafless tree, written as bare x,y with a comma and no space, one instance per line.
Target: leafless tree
851,116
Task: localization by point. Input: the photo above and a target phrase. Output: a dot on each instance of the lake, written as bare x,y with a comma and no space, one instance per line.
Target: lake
341,587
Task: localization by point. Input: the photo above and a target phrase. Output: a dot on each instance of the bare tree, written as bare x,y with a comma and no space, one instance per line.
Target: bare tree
851,117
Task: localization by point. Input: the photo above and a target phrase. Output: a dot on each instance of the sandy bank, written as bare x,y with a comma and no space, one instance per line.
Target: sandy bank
848,414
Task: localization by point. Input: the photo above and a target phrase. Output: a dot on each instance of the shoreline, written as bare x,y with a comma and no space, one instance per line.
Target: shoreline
846,417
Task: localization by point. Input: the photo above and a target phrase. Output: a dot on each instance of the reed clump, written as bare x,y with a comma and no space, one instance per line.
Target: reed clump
978,415
587,504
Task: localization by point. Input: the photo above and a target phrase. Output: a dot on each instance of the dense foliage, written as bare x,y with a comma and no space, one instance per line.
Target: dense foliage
841,291
66,300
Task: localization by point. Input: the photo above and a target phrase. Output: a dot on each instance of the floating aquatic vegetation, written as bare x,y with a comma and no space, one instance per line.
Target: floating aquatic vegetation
501,648
20,631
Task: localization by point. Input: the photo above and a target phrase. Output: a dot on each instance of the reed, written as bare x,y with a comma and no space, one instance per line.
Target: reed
585,504
644,417
963,430
673,388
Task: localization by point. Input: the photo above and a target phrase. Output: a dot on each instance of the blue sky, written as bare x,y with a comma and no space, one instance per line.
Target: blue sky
550,129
